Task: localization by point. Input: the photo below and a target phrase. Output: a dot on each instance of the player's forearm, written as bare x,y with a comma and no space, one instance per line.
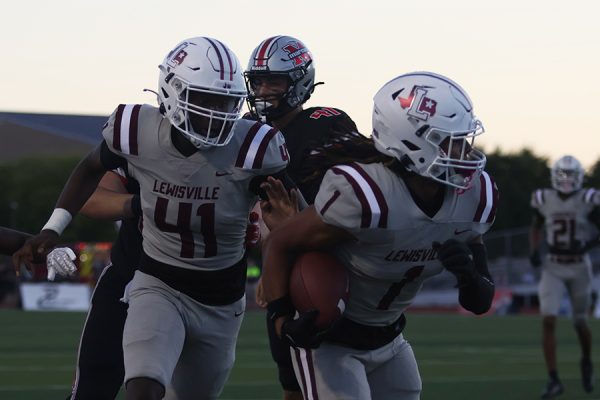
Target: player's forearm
276,269
478,292
477,296
82,183
106,204
535,238
11,240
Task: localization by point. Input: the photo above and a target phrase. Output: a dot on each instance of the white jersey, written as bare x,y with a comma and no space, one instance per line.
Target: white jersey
195,208
566,219
395,251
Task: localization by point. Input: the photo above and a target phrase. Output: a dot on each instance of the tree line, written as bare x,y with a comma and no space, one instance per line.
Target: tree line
30,187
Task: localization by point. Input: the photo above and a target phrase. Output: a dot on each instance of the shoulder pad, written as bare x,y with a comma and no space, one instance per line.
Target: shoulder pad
591,196
538,197
122,129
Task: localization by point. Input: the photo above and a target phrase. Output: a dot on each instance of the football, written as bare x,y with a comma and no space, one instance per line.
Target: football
319,281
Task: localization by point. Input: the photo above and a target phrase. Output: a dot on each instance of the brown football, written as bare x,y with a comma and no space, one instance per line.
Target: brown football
319,282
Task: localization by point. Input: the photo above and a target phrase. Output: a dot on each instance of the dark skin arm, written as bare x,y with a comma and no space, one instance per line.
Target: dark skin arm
11,240
110,200
302,232
78,189
536,232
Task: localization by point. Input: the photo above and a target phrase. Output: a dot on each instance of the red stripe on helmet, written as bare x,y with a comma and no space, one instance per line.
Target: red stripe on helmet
228,59
260,56
221,65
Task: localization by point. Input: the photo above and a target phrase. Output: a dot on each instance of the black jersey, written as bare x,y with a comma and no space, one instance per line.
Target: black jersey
127,248
310,130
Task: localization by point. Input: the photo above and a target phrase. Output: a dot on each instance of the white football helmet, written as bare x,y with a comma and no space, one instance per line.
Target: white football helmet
201,90
287,57
426,121
567,175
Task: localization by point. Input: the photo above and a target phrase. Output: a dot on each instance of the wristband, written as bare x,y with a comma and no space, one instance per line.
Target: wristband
280,307
58,221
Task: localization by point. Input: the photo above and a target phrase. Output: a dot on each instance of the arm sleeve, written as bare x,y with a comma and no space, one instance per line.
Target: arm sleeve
477,294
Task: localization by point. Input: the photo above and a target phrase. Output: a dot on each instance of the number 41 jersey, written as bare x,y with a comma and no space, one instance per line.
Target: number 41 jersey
394,251
195,209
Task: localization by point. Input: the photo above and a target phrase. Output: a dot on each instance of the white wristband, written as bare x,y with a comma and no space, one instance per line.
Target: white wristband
59,220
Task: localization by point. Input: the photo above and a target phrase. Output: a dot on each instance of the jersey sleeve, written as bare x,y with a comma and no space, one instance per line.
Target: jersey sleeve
263,150
337,202
537,199
592,197
487,195
121,130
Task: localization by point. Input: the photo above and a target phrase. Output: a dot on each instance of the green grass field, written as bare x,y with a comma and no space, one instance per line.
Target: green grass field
459,357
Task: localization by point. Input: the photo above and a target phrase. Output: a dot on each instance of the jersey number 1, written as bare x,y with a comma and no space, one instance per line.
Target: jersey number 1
396,287
205,211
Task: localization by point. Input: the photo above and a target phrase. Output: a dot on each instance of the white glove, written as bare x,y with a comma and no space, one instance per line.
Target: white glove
60,261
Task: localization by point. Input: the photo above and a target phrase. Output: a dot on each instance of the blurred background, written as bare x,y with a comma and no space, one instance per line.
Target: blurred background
529,67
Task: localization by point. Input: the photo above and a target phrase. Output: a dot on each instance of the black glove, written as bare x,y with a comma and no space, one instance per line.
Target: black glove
302,332
535,259
457,258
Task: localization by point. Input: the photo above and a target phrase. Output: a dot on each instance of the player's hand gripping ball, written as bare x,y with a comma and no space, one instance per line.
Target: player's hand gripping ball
319,282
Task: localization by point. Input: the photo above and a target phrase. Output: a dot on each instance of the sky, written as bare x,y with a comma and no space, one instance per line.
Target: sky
531,67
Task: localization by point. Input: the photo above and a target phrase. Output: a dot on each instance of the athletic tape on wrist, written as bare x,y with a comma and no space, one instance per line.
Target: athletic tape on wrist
58,221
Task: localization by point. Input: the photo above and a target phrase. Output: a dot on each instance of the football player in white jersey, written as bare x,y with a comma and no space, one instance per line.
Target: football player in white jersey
567,218
393,223
200,169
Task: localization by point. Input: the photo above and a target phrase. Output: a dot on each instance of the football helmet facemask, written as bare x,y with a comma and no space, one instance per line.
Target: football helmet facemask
201,90
279,57
426,121
567,175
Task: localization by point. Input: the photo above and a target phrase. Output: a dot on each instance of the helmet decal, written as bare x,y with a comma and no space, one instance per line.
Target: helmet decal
419,106
297,52
177,55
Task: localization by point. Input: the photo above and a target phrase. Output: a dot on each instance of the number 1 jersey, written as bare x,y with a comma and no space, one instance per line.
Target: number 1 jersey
394,250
